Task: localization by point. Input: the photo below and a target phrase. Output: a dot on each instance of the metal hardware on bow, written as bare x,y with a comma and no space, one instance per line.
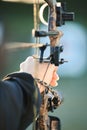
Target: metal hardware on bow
56,17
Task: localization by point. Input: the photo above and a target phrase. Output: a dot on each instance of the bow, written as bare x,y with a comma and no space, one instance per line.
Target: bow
57,16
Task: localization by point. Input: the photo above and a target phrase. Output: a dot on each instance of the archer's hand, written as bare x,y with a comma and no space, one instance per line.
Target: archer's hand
40,70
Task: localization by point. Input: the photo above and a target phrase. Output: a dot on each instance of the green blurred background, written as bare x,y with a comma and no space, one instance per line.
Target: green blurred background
17,19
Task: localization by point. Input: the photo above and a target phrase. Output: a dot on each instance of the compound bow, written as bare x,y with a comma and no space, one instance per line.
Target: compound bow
51,99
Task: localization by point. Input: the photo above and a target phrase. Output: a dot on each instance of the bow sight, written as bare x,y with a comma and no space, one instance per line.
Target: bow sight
61,17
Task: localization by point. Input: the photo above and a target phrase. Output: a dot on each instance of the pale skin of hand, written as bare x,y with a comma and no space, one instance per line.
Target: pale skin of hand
38,70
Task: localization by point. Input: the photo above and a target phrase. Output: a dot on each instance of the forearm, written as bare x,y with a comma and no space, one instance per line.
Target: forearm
18,91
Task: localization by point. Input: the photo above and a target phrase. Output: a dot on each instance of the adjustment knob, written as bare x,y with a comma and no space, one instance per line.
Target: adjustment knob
62,61
61,48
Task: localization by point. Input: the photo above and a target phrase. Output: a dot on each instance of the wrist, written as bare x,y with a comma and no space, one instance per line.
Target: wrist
41,85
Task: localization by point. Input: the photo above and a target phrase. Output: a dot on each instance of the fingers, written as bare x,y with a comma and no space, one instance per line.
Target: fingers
25,65
55,76
54,80
43,71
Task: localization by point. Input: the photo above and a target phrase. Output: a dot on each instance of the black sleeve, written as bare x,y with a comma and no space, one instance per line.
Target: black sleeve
19,101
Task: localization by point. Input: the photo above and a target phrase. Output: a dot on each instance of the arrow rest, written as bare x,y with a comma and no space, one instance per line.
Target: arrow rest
53,58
